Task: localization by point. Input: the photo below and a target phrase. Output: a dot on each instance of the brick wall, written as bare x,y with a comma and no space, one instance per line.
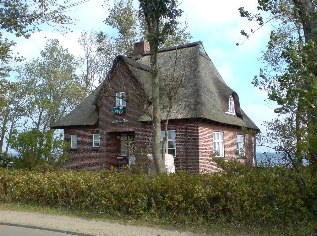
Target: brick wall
85,155
206,129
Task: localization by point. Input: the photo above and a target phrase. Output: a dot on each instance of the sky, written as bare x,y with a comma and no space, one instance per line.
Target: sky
216,23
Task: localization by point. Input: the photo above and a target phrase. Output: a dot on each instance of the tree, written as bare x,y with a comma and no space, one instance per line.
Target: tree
290,76
160,18
12,110
99,51
132,28
21,17
51,89
51,86
129,28
35,148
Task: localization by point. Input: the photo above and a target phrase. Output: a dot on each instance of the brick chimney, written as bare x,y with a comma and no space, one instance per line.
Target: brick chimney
140,48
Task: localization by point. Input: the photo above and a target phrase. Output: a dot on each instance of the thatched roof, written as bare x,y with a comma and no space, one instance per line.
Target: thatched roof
201,94
84,114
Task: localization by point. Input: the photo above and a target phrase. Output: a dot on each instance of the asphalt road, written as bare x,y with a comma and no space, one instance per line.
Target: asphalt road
14,230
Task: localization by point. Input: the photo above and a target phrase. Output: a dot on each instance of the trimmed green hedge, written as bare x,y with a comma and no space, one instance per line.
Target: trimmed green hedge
243,196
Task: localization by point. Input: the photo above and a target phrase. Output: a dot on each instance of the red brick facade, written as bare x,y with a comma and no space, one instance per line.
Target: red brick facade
194,146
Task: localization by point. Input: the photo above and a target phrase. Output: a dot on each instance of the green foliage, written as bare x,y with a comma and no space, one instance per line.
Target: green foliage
35,149
243,197
160,18
23,17
290,77
133,26
51,86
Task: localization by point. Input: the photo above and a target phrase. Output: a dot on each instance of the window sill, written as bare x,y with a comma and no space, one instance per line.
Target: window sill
230,113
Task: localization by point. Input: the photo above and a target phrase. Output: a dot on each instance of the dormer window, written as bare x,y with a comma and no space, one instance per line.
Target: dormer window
231,109
121,99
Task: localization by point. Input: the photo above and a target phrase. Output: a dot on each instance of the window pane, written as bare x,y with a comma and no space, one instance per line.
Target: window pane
171,144
218,145
123,99
73,141
162,135
96,140
117,99
172,152
221,151
172,134
240,138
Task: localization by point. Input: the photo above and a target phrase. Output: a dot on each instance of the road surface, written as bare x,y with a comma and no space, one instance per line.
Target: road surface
39,224
16,230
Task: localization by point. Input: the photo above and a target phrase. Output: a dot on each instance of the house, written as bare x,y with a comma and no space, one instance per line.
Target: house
112,126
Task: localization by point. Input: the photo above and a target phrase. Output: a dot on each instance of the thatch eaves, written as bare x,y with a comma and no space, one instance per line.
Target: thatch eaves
85,114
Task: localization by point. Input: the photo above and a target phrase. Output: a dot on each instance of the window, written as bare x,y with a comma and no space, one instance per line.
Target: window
240,145
121,99
231,109
218,144
73,141
171,142
96,140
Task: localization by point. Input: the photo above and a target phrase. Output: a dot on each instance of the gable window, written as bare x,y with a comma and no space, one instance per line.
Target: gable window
240,145
73,141
121,99
171,142
231,109
96,140
218,144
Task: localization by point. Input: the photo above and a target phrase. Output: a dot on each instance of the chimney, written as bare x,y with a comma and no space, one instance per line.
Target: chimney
140,48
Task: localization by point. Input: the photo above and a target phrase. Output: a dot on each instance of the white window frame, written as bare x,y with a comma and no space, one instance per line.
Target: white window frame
96,140
121,99
73,141
171,142
241,145
218,143
231,109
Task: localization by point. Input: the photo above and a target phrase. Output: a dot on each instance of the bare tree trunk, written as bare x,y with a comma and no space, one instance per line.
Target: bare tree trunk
159,165
3,131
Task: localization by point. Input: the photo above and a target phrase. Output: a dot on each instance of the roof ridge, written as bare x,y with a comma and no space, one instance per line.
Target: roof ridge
134,63
187,45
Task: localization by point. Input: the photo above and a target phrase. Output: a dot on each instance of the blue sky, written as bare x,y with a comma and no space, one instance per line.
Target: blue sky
216,23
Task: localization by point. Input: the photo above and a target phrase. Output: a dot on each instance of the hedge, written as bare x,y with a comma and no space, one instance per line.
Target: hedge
250,197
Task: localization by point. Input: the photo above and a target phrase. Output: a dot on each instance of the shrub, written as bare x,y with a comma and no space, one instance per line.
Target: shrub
243,196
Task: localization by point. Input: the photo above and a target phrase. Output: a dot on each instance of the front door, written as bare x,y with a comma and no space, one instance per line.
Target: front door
127,142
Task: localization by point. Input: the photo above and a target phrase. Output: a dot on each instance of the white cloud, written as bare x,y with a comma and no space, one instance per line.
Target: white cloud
31,47
204,13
